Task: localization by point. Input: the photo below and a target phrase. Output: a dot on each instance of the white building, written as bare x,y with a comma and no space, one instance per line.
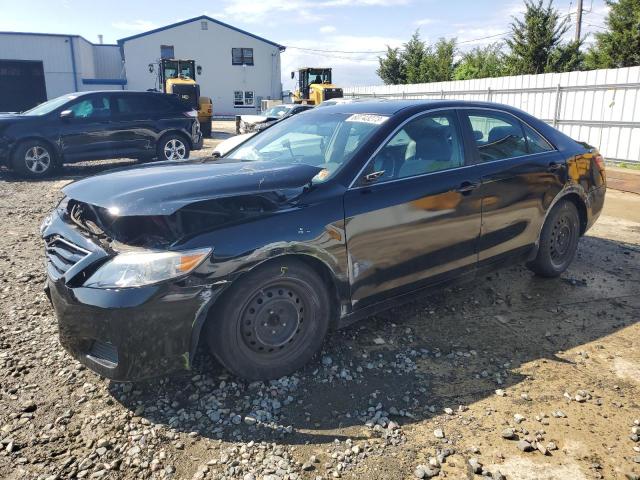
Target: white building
35,67
237,68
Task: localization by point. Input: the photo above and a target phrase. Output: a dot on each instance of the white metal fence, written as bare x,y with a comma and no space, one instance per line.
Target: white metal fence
600,107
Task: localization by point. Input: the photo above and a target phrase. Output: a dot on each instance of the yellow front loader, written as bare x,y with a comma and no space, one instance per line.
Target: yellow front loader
314,86
178,77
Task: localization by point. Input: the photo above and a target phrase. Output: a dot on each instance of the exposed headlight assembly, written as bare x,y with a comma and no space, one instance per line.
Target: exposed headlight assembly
135,269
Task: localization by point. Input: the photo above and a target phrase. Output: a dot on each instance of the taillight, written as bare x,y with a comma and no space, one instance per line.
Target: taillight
191,114
600,162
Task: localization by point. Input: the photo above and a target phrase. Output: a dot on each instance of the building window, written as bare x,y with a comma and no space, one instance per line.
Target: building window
204,25
166,51
242,56
243,99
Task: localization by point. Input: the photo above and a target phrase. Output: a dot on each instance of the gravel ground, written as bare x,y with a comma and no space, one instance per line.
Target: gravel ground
509,377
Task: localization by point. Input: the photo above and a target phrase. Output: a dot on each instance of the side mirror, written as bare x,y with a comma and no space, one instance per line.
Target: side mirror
293,74
216,155
66,114
373,177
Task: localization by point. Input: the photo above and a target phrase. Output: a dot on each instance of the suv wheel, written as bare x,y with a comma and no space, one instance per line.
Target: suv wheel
173,147
271,322
33,159
558,240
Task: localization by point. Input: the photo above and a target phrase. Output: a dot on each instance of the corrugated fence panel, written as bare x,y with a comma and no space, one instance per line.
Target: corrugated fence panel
600,107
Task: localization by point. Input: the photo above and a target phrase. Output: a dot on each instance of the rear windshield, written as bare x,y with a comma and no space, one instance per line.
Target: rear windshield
325,140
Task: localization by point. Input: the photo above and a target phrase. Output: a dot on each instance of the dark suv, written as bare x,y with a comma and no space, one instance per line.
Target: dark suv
96,126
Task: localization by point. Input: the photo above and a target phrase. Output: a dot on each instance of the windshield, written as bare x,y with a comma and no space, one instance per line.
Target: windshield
277,111
325,140
49,106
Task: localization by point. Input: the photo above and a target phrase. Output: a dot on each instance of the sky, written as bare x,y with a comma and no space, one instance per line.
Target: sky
354,31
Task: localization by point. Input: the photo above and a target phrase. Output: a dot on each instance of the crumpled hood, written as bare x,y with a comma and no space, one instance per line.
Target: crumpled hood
164,187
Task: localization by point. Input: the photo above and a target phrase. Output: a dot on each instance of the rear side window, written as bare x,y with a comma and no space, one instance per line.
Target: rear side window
133,104
498,136
535,141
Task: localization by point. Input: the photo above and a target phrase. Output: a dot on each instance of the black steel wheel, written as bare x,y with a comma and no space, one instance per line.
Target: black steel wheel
271,322
558,240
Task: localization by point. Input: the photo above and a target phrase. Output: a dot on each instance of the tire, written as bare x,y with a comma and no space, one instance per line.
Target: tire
173,146
271,322
34,159
558,241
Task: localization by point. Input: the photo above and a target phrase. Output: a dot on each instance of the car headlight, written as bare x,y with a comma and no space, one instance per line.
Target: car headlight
135,269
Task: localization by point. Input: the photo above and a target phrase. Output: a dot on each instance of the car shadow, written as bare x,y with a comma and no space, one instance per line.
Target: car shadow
452,348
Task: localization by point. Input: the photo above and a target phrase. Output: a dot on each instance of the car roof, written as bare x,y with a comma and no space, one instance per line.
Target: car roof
382,106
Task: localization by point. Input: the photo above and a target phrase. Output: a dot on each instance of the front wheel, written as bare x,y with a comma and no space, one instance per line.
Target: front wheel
558,240
271,322
173,147
34,159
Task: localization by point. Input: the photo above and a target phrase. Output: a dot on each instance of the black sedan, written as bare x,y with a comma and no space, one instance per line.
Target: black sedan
95,126
313,223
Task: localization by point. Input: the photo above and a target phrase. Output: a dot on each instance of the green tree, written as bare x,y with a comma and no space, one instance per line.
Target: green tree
482,63
567,58
391,68
535,38
438,62
413,55
619,46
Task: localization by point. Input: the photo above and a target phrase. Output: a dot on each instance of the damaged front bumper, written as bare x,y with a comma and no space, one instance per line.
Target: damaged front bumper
125,334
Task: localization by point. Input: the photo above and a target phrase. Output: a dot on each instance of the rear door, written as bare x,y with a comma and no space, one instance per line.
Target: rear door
413,217
521,175
89,134
136,121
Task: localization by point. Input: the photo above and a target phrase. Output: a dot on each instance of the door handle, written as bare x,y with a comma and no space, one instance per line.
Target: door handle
554,167
466,188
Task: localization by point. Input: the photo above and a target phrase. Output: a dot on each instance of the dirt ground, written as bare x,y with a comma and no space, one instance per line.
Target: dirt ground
511,376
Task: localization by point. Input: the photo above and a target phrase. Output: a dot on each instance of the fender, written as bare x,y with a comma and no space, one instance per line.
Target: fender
570,190
254,260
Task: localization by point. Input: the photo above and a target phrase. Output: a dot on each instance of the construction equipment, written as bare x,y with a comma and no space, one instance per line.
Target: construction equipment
178,77
314,86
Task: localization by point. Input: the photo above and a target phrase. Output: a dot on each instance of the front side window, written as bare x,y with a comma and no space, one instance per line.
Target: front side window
242,56
498,136
427,144
243,98
97,107
327,141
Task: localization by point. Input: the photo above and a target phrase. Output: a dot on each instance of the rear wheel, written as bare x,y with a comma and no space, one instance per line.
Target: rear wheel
558,240
34,159
271,322
173,147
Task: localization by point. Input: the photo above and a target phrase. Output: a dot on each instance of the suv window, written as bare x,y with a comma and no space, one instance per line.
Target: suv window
430,143
129,104
498,136
94,107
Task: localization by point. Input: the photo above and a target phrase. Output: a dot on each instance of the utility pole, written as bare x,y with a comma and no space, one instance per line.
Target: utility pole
579,21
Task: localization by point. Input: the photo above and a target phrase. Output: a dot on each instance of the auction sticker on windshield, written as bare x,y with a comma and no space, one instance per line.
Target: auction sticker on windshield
367,118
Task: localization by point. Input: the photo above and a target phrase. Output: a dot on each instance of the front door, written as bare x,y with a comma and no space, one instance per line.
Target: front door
413,218
521,175
88,133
